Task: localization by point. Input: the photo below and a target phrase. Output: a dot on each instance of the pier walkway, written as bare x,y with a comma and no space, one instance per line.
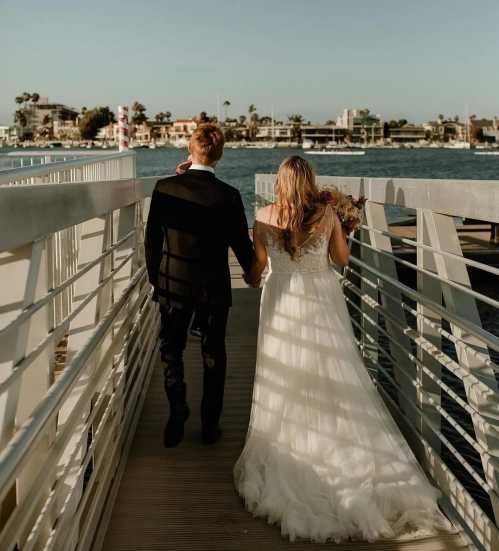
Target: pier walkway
184,499
82,406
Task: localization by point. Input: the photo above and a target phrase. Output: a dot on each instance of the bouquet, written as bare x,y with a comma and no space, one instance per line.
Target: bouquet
350,211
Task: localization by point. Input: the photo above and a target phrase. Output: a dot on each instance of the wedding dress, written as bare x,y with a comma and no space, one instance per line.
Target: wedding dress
323,457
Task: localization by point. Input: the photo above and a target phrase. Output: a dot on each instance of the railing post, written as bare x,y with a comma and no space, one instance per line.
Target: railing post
391,301
443,237
430,288
123,135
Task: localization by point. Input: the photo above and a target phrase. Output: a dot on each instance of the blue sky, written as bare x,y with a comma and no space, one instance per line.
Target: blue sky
413,58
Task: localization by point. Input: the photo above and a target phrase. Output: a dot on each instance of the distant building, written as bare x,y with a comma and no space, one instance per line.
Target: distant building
276,133
362,126
444,130
66,129
323,134
485,130
152,131
108,133
408,133
4,133
182,130
43,113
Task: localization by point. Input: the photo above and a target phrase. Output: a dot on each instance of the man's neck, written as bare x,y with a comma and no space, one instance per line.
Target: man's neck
200,166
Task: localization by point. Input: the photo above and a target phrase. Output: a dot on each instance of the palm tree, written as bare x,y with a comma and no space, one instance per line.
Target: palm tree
242,119
226,105
20,118
252,120
160,117
251,110
203,117
19,100
297,120
35,97
26,97
139,113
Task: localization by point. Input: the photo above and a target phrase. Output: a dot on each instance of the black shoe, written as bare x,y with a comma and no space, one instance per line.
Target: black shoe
174,430
211,435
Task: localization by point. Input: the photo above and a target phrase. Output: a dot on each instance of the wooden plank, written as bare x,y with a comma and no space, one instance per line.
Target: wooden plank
184,498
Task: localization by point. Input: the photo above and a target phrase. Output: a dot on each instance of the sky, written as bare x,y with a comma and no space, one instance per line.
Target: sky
400,58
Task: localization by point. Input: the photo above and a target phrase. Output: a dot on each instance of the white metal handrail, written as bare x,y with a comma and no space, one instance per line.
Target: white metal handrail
56,483
95,168
409,357
455,340
468,261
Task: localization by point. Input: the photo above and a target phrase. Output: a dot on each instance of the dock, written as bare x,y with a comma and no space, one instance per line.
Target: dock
184,498
82,405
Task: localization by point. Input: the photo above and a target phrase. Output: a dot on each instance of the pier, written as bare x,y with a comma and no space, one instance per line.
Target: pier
82,466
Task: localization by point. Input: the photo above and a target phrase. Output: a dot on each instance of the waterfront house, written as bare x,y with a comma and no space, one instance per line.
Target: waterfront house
323,134
4,134
283,133
409,133
446,130
484,130
39,115
152,131
362,126
182,130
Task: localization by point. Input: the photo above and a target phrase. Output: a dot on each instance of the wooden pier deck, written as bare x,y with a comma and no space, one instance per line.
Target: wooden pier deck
183,498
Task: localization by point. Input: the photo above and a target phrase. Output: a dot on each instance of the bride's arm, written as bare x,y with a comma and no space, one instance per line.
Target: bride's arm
255,274
338,248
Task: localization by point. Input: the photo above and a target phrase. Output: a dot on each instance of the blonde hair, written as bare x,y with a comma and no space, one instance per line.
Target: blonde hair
207,141
297,198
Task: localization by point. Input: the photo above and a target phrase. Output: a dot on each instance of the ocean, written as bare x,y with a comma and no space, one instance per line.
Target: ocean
239,166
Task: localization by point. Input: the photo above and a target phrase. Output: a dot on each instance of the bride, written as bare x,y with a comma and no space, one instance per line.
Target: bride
323,457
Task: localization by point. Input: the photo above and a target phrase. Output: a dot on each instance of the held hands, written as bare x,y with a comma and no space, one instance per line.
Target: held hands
251,281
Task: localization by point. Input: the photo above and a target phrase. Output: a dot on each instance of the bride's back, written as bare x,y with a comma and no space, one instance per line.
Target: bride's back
306,250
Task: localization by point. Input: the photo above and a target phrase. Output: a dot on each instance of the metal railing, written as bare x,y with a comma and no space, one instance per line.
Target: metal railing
94,168
419,327
78,339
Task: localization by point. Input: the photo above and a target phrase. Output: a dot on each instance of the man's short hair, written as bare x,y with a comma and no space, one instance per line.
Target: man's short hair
207,143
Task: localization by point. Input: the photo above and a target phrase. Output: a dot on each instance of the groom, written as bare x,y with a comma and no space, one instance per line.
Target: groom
193,220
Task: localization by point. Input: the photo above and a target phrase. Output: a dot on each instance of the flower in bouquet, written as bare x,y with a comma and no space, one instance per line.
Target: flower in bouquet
349,210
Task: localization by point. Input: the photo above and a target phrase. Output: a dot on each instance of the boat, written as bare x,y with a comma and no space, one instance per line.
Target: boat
487,153
152,146
458,144
335,152
180,143
261,145
307,144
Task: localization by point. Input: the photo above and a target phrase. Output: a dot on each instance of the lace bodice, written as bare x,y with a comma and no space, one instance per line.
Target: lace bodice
312,255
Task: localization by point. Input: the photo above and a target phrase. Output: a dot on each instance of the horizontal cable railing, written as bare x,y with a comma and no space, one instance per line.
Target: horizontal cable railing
425,313
78,334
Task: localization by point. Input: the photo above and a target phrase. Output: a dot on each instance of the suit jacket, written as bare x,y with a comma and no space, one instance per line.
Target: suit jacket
193,220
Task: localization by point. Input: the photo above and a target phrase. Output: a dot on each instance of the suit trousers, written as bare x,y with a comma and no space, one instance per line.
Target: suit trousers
210,322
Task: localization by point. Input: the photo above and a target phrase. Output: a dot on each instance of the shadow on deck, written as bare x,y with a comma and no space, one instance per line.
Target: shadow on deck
184,498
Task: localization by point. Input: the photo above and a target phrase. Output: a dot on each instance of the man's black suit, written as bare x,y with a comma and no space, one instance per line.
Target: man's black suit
193,220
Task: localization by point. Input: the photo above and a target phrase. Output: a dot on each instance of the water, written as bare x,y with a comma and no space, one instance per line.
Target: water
239,166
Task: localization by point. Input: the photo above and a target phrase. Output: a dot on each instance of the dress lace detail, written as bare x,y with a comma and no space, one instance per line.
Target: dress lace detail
312,253
323,457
